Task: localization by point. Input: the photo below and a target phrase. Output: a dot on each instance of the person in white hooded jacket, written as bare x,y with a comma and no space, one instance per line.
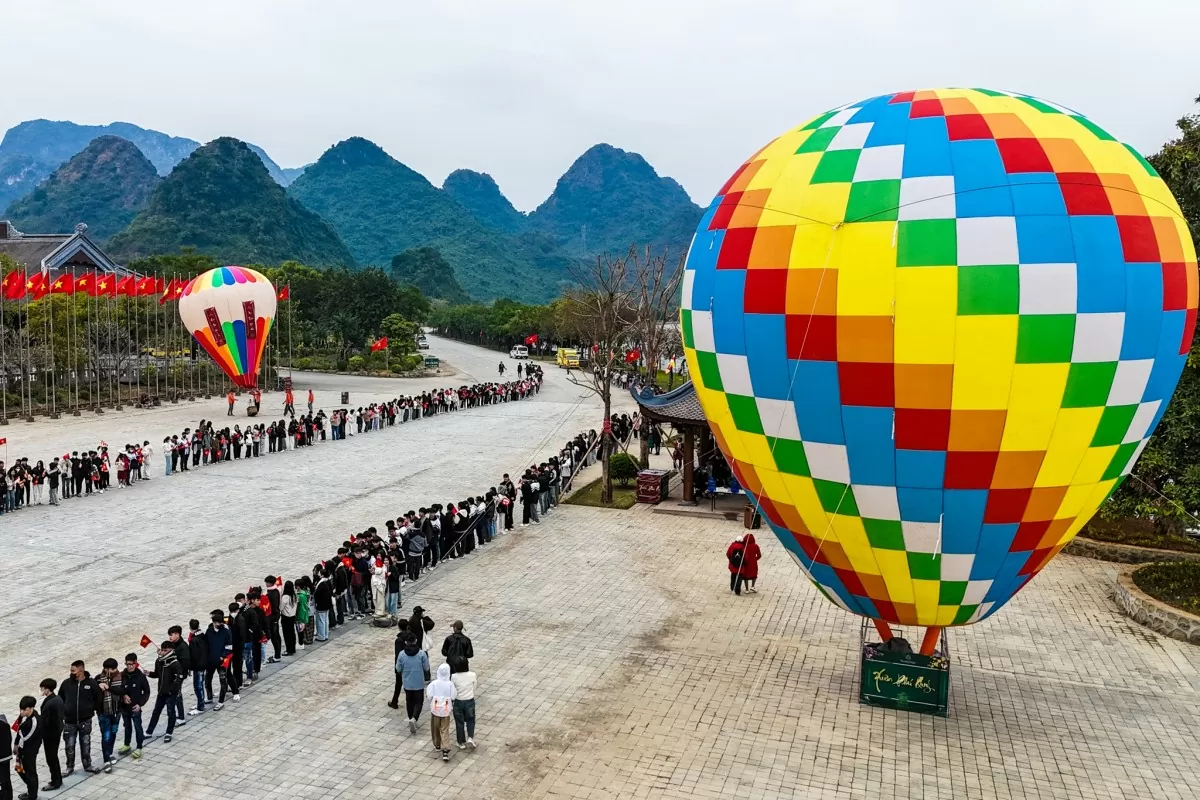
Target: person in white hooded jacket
441,694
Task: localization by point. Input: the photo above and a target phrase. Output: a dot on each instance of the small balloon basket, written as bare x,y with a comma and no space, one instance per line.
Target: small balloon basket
892,675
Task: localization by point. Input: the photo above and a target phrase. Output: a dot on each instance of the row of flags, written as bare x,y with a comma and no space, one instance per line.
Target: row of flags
36,285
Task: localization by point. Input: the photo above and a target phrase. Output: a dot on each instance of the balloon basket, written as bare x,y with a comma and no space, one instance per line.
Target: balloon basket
892,675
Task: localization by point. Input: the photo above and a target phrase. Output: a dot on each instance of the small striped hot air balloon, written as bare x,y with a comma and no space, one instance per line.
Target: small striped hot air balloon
229,311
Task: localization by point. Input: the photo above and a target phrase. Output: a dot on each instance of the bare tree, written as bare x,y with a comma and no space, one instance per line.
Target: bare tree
603,309
656,280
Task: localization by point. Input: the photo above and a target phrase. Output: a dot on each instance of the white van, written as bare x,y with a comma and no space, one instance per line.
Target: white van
519,351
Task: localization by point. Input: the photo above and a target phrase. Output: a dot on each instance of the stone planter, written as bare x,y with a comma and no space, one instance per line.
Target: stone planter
1154,614
1124,553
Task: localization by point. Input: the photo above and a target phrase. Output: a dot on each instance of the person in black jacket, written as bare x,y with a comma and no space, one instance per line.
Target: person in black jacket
51,724
26,743
170,677
136,693
401,639
256,631
218,640
341,586
6,752
239,635
197,650
81,699
273,618
184,656
457,649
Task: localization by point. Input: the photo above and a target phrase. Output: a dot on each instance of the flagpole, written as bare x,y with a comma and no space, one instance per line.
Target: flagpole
291,324
3,363
137,338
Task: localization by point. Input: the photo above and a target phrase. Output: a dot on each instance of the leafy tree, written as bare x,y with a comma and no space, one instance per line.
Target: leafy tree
401,335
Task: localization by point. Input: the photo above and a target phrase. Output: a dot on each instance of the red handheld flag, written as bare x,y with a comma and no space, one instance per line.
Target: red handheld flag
379,345
146,640
227,660
16,726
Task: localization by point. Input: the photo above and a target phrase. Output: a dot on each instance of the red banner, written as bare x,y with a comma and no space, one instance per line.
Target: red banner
379,345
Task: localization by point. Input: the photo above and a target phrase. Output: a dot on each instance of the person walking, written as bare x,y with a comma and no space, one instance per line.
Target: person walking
735,554
81,699
136,693
170,678
28,739
457,649
401,638
464,708
6,756
51,734
229,398
750,558
441,707
413,667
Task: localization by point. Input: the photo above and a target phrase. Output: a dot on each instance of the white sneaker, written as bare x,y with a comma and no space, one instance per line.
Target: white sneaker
462,746
194,712
218,706
412,726
300,647
470,743
237,696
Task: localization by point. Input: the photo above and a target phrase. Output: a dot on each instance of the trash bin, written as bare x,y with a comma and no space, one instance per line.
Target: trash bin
345,398
751,519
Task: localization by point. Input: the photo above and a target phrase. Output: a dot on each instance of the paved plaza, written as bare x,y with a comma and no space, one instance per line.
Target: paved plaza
613,662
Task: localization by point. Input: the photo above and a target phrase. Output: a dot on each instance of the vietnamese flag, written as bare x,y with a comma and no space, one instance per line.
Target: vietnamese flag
127,286
227,660
633,355
16,726
105,286
146,640
531,338
84,282
285,293
37,286
14,285
168,292
63,284
379,345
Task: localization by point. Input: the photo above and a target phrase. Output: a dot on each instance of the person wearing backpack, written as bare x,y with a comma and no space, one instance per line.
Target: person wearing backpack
457,649
735,554
442,695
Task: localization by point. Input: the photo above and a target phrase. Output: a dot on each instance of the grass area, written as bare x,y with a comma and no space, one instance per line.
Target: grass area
1139,533
623,496
1176,584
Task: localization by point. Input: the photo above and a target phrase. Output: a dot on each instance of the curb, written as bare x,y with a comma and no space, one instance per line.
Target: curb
1152,613
1124,553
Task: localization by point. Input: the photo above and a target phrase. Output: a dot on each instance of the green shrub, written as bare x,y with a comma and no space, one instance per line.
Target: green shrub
623,468
304,363
357,363
1176,584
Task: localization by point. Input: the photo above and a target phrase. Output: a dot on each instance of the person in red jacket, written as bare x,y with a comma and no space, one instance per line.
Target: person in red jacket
750,563
743,554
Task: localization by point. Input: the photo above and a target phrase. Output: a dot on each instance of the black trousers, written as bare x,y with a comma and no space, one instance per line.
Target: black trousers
30,776
289,636
413,700
6,792
51,741
414,567
236,681
399,688
221,674
735,582
273,626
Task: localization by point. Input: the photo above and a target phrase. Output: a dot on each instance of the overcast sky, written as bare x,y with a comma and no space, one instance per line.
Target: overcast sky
519,88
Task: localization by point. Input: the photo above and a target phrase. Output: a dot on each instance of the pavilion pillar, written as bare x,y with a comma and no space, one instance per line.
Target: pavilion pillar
689,469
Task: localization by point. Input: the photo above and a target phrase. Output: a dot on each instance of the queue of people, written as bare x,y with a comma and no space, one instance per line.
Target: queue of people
218,660
84,473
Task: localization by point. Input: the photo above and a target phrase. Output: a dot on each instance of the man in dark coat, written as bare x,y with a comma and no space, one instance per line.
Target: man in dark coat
457,649
51,728
81,699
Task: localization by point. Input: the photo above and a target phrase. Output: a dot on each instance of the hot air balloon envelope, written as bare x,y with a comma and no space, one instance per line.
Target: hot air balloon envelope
932,332
229,311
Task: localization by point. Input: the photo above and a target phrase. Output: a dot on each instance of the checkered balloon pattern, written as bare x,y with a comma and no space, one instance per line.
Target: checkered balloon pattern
932,332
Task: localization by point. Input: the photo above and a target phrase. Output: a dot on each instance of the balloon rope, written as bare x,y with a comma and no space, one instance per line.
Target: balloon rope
1170,500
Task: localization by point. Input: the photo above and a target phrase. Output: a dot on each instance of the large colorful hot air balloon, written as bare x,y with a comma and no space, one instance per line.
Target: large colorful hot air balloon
229,311
932,332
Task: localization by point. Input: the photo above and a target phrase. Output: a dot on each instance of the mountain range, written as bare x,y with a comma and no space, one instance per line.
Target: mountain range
356,204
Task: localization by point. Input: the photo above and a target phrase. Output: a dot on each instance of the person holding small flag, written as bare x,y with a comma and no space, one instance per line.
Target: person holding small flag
135,689
170,678
218,640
